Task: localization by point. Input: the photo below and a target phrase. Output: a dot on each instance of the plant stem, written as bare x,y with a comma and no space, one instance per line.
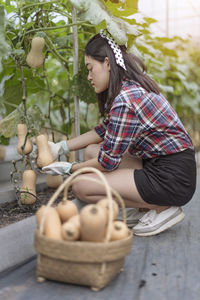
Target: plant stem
65,14
75,71
54,129
23,85
50,99
53,49
11,104
38,4
56,27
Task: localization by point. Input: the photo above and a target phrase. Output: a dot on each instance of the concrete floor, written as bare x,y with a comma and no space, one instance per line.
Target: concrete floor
162,267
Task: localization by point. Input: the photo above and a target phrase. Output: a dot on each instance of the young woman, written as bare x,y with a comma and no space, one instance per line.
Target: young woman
141,146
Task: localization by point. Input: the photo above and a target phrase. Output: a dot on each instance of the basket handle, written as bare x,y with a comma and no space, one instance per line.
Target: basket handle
68,182
114,192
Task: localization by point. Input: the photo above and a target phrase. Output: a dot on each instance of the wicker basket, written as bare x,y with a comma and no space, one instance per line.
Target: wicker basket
79,262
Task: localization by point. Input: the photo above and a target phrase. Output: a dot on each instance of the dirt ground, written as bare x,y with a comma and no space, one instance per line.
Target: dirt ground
11,212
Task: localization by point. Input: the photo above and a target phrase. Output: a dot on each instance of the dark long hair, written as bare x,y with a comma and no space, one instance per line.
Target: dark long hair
98,48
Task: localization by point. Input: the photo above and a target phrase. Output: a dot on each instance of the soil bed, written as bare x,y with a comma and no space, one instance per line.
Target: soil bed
11,212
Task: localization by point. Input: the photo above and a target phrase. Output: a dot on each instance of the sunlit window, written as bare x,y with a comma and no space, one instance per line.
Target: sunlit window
180,17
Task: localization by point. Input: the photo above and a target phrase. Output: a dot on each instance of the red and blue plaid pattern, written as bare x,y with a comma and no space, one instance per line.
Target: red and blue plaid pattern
143,123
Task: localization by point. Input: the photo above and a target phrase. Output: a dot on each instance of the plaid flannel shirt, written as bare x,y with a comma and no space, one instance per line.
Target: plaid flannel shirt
143,123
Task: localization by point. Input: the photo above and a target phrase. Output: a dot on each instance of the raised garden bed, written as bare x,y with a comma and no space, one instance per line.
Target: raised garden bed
12,211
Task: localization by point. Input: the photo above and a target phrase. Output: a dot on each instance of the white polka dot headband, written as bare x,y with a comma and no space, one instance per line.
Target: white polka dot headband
114,46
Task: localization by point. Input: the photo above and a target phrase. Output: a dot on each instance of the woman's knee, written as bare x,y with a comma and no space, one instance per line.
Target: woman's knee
91,151
79,190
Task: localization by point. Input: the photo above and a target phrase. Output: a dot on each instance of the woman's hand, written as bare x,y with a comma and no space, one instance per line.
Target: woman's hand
58,148
58,168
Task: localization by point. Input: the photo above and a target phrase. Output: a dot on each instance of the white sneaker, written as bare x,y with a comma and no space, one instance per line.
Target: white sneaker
153,223
132,216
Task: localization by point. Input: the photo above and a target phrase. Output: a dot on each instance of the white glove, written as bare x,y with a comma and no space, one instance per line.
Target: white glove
58,168
58,148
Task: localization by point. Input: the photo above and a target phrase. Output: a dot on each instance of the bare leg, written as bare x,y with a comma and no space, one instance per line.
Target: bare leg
121,179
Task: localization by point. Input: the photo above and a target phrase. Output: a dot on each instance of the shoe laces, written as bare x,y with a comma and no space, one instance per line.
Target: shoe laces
148,217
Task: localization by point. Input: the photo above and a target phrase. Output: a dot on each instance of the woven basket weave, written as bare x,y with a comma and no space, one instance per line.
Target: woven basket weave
79,262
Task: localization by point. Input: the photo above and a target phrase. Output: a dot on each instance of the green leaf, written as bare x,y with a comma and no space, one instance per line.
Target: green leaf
62,41
8,125
34,82
150,20
12,92
131,4
101,25
96,12
191,86
2,83
4,141
7,6
4,47
35,119
81,87
131,41
18,52
2,108
166,88
117,10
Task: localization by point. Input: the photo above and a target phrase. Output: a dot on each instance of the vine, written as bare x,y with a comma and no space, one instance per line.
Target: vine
43,97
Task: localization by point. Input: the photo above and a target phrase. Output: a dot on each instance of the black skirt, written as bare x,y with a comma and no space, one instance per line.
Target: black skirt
168,180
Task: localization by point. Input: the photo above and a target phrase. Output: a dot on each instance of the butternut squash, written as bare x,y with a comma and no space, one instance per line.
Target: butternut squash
104,203
71,157
70,231
35,58
39,214
52,222
75,220
119,230
44,154
28,185
66,209
21,133
2,153
54,181
92,223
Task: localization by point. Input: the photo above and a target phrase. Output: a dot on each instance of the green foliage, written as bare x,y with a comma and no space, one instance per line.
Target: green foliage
81,87
34,120
114,15
9,124
4,47
44,96
172,69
